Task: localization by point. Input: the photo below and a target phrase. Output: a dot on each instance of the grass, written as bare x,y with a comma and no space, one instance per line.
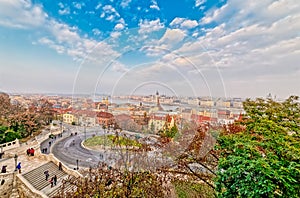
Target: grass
192,190
111,140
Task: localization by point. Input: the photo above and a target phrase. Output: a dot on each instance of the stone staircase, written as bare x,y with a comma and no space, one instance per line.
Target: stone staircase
36,178
57,191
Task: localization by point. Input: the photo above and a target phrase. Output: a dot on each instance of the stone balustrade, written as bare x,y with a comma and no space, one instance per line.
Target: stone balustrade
9,145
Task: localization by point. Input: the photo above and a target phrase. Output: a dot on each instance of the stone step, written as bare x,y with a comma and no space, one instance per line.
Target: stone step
37,178
67,188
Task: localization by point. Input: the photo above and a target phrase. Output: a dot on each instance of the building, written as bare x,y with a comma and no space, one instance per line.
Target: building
105,119
156,123
86,117
199,119
70,118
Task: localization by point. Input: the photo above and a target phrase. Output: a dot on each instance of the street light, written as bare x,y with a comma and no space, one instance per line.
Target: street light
77,164
181,123
84,131
16,161
61,128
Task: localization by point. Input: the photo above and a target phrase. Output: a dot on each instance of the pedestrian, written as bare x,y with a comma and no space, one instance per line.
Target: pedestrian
49,144
51,181
28,152
54,180
3,170
60,166
46,174
31,151
19,167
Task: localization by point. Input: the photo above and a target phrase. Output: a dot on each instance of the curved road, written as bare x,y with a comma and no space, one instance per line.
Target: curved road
68,150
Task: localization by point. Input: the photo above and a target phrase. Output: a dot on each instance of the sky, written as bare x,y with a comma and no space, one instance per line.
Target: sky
220,48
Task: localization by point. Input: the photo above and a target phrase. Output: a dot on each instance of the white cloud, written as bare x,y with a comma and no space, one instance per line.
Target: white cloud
199,3
63,32
61,5
78,5
177,21
110,13
170,39
154,5
96,32
115,35
215,15
189,24
109,9
147,26
119,67
58,48
125,3
98,6
64,11
60,37
172,36
245,46
21,14
183,23
119,26
110,18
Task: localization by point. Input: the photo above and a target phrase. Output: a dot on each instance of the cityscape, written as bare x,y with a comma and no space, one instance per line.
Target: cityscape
153,98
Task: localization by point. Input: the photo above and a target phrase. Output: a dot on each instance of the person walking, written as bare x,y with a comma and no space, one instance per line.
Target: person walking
28,152
60,166
51,181
54,180
46,174
19,167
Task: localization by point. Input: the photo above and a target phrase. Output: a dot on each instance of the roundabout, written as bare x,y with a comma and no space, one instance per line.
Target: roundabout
70,150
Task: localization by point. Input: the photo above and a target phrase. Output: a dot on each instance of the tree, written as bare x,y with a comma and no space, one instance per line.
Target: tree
107,181
45,112
152,127
263,160
23,121
172,131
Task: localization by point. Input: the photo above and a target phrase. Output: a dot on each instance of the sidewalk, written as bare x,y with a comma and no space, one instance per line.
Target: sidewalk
27,163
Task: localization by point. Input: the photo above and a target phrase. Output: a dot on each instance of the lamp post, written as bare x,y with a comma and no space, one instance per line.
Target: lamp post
84,131
181,123
61,128
77,164
16,161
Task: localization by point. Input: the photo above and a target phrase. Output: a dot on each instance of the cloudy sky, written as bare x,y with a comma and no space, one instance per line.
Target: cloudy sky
221,48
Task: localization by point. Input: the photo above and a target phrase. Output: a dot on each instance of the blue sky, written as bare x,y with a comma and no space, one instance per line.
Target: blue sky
188,47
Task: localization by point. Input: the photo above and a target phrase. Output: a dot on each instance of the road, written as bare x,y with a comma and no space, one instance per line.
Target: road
68,149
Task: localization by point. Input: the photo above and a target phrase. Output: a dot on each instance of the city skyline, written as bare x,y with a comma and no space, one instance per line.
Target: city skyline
189,48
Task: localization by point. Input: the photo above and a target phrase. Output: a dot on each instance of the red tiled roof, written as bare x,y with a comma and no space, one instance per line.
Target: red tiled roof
104,115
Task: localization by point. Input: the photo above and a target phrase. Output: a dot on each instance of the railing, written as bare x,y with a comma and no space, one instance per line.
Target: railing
9,145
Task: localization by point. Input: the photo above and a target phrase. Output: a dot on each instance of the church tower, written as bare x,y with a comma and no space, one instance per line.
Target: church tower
157,98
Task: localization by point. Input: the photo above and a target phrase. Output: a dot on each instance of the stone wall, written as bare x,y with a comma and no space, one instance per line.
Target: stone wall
6,184
26,190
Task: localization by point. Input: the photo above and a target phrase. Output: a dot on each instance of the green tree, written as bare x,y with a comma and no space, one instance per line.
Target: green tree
263,159
172,131
152,127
